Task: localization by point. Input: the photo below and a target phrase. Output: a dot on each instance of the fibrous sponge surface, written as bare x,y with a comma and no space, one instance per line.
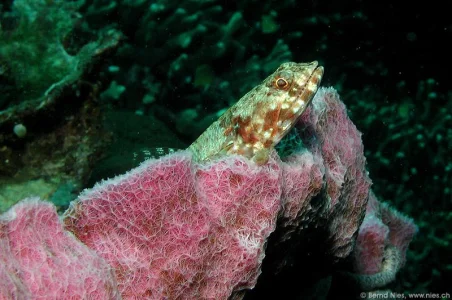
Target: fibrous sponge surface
40,260
175,230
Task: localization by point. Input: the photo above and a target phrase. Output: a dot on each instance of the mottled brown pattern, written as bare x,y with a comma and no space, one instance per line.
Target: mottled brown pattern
245,130
287,114
272,117
261,118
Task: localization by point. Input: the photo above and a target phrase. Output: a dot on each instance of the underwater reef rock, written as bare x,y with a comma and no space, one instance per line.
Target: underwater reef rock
174,228
58,135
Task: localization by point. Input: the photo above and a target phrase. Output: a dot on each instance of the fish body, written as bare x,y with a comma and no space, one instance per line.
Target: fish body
263,116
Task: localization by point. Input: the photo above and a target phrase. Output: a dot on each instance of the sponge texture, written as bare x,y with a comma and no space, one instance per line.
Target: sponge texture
381,245
39,260
338,142
174,230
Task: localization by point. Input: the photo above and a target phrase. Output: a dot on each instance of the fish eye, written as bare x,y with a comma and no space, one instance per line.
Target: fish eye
281,83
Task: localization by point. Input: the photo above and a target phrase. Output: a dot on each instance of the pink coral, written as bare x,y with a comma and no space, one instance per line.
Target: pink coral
40,260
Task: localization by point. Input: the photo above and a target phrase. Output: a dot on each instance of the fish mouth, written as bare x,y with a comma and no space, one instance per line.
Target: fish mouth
316,74
312,84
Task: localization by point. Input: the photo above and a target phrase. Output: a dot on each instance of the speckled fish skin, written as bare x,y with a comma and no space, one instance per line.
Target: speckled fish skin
261,118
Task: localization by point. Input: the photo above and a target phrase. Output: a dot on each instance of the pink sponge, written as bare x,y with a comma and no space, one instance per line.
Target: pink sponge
336,143
40,260
171,228
370,245
381,245
174,230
